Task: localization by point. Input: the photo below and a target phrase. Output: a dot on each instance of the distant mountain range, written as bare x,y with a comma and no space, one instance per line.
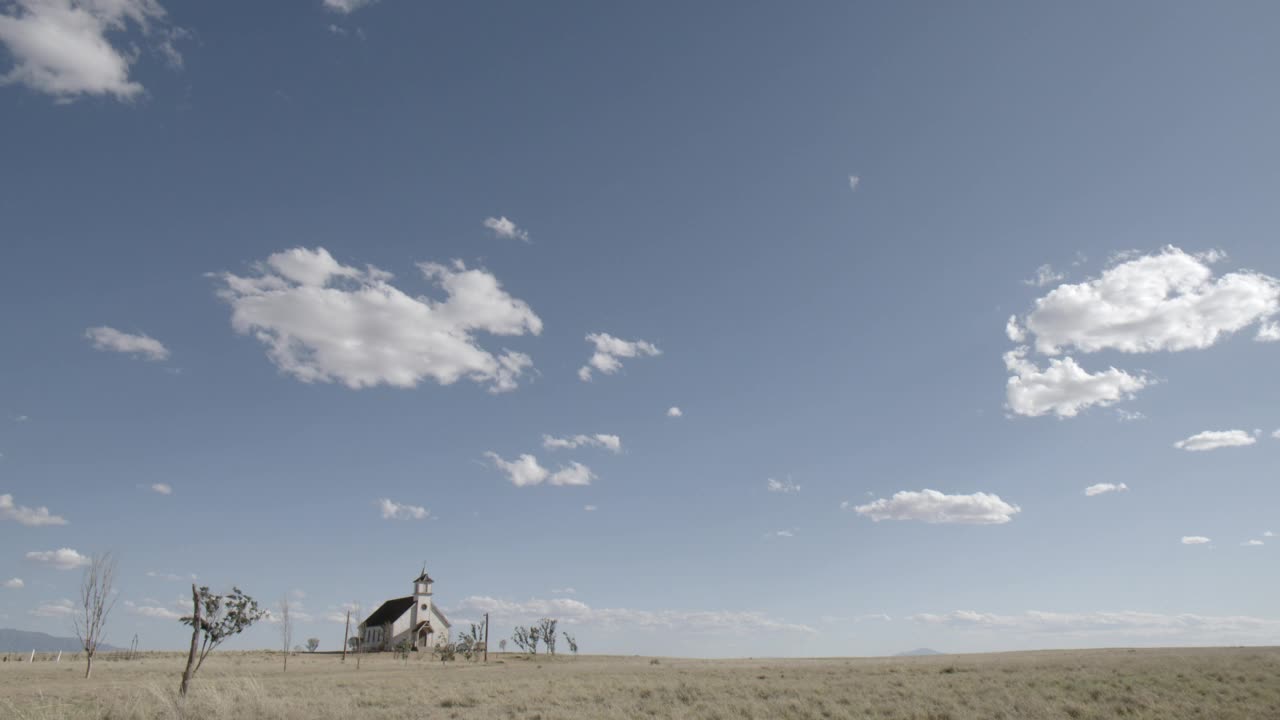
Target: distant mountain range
918,651
24,641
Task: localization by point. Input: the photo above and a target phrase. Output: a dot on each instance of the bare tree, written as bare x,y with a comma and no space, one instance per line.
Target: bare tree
573,643
286,629
502,645
547,631
313,644
97,598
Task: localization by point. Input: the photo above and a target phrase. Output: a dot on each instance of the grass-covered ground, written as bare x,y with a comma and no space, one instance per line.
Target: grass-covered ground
1207,684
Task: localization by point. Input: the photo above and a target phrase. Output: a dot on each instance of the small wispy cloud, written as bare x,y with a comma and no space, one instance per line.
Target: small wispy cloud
782,486
1101,488
1215,439
174,577
1195,540
54,609
392,510
23,515
1045,275
589,508
854,182
525,470
162,488
62,559
15,583
932,506
600,440
1252,543
608,350
674,411
112,340
346,7
506,229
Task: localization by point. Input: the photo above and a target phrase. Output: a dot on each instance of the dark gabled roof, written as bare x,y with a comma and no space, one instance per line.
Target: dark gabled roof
389,611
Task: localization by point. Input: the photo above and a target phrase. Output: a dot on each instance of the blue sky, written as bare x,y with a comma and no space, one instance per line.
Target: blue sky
289,262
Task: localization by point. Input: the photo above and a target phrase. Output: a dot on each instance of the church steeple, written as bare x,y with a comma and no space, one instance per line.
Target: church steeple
422,583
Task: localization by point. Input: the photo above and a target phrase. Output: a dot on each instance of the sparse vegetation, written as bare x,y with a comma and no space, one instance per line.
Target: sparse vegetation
97,598
547,631
526,638
215,618
1164,684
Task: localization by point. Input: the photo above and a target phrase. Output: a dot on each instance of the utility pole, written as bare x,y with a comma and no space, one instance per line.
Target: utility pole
346,633
486,637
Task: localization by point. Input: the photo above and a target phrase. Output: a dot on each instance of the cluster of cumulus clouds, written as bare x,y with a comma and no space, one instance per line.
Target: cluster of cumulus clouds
1167,301
73,48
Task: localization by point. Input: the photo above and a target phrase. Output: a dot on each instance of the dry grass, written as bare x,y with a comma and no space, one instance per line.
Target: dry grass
1206,684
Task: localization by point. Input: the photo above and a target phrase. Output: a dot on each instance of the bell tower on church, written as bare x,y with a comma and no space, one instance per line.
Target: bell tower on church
421,610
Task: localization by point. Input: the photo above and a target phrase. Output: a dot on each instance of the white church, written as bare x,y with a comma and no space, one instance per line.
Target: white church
414,619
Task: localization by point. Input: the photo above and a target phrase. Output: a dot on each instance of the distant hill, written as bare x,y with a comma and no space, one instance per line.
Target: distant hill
918,651
24,641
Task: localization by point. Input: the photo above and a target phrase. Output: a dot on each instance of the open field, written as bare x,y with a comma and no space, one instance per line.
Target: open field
1208,683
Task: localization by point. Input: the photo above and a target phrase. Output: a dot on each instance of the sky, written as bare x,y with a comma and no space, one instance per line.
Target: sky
723,329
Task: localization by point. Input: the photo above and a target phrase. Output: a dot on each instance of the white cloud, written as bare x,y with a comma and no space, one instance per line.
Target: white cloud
781,486
1123,623
1268,332
1168,301
395,511
1045,275
608,442
782,534
1268,534
171,576
1063,388
23,515
60,47
564,591
589,508
576,612
62,559
1014,331
575,474
57,608
506,229
346,7
854,181
153,611
525,470
1215,439
1129,415
110,339
1252,543
1101,488
674,411
162,488
609,349
1195,540
931,506
322,321
15,583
